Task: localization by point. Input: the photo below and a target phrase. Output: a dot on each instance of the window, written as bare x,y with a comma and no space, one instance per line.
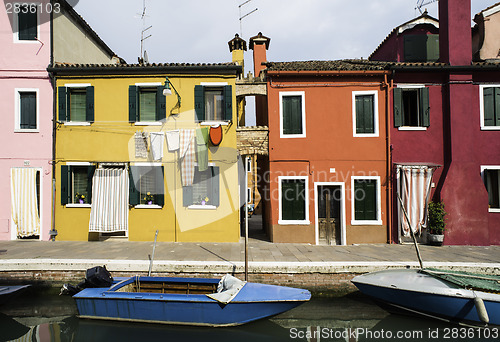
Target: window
292,115
249,164
365,200
490,107
26,110
204,193
27,23
76,104
491,178
421,48
146,185
293,200
365,113
146,103
213,103
411,107
249,195
76,184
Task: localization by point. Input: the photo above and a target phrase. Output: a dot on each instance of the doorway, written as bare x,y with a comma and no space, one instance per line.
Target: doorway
329,214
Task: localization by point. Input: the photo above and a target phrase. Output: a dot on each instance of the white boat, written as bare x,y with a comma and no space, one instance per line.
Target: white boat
452,296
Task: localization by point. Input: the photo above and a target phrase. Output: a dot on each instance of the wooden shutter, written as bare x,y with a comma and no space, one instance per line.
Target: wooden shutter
199,103
293,200
292,114
65,184
90,177
160,186
63,103
415,47
496,120
27,23
365,198
187,196
364,114
134,195
89,112
27,110
161,107
228,103
215,191
133,109
432,47
489,106
424,107
398,107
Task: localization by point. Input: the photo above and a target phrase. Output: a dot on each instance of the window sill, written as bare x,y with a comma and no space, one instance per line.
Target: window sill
75,123
409,128
366,135
366,223
147,206
148,123
77,205
214,123
19,130
494,210
26,41
490,128
202,207
291,136
293,222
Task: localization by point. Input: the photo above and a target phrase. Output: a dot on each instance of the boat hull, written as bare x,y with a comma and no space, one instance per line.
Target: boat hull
253,302
416,293
9,292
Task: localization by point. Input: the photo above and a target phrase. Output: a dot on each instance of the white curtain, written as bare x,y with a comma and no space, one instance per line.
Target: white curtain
414,190
24,202
110,195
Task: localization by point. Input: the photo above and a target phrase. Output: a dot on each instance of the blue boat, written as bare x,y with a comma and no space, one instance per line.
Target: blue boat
451,296
9,292
187,301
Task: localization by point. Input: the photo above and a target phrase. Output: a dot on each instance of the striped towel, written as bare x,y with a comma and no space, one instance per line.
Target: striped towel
187,156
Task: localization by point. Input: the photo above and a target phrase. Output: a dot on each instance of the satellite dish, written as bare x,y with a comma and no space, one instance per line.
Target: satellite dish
146,58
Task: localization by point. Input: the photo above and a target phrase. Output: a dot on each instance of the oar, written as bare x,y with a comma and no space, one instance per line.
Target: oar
412,233
152,256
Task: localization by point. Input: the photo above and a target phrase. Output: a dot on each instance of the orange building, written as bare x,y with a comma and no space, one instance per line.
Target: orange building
325,179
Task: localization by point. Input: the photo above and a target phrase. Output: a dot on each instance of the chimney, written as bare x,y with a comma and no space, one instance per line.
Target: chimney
237,46
259,44
455,33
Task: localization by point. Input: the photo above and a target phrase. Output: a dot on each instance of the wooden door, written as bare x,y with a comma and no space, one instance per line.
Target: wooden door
328,202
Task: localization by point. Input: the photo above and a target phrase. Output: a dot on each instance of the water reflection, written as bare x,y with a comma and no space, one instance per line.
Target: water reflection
42,316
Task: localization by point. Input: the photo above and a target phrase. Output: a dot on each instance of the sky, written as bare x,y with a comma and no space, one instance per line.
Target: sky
197,31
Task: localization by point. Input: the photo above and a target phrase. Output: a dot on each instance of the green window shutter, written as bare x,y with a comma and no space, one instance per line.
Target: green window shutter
160,186
293,200
63,103
228,103
187,196
27,23
215,191
364,114
28,110
292,114
90,177
161,107
496,121
424,106
199,103
134,195
415,48
432,47
133,111
398,107
89,114
365,200
489,106
65,184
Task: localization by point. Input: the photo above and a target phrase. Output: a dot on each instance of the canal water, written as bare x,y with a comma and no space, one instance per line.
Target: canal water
42,315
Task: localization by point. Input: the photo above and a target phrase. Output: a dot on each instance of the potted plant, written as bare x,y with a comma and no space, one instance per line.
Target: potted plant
148,198
436,223
80,198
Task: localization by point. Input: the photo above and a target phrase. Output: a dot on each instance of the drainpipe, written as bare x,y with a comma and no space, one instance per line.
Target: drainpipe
388,87
53,232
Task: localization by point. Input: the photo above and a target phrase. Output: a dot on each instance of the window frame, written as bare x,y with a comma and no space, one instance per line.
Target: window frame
302,94
215,85
17,118
68,109
481,107
378,206
306,220
154,205
483,176
416,87
374,93
70,190
15,24
209,206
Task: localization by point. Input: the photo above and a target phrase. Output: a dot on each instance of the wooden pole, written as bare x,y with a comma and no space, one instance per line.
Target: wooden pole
411,233
153,255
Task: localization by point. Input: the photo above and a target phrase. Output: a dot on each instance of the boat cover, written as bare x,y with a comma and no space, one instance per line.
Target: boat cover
474,281
227,289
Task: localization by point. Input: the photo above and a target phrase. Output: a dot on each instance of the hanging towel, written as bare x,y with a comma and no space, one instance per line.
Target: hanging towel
172,140
187,156
201,148
157,145
141,144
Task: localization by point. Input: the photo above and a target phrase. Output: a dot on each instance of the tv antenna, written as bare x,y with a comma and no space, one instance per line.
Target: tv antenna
422,3
244,16
144,36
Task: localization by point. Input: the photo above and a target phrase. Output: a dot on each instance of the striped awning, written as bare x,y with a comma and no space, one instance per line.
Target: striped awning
24,202
110,197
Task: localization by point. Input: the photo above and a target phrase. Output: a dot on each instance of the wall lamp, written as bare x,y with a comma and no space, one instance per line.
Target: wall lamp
167,91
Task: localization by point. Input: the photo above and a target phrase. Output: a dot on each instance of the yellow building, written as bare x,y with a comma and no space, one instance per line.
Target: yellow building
141,148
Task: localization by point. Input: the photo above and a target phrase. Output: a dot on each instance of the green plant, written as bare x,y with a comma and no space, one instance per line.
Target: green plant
436,218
